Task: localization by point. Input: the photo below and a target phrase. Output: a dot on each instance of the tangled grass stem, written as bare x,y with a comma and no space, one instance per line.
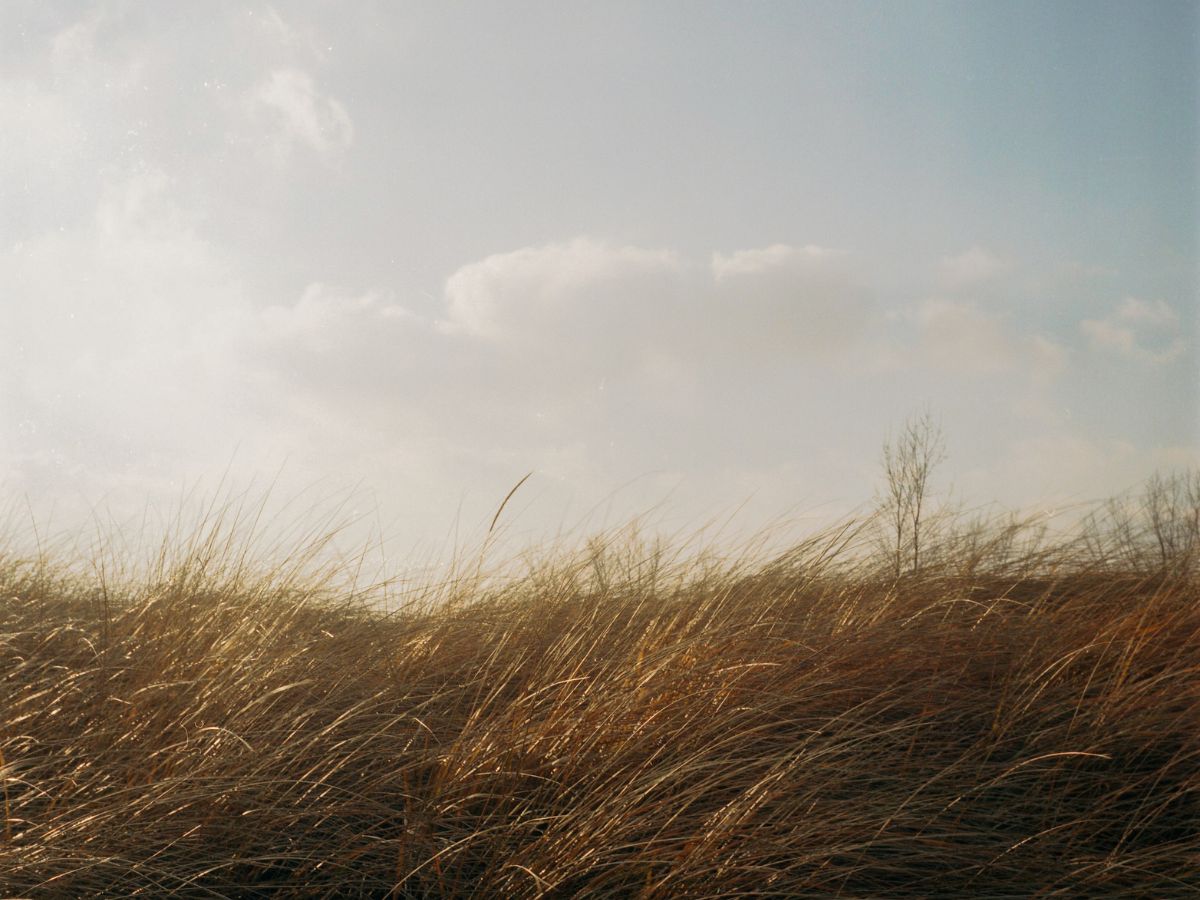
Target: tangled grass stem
1016,719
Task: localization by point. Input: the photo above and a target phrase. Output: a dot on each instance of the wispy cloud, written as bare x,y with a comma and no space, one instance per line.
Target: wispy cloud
301,39
296,113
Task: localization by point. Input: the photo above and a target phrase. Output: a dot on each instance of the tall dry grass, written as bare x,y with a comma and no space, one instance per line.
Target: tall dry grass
1020,718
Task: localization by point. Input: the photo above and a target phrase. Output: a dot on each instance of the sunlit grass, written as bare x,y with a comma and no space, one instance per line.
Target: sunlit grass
1019,718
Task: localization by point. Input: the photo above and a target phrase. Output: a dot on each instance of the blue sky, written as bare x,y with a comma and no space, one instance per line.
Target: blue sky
689,253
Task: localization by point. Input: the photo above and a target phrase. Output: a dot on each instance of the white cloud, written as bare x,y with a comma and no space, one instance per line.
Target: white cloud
299,114
348,349
41,131
554,288
970,268
1145,330
113,354
134,360
79,52
590,299
959,337
1048,358
301,39
786,301
754,262
320,308
133,365
591,363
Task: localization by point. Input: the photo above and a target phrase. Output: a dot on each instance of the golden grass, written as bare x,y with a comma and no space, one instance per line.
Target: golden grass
1021,718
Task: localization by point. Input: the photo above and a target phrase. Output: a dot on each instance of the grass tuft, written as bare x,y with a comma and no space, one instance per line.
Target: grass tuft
1020,717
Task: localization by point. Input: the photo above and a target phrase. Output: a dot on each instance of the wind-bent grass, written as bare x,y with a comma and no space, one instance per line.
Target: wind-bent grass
1020,718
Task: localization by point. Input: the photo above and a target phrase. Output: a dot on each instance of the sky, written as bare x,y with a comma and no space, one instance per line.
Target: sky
689,258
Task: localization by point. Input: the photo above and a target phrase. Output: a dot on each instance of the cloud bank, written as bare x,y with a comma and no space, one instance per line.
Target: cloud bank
625,304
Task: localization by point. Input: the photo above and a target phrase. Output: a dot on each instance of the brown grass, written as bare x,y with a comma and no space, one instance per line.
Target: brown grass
1022,718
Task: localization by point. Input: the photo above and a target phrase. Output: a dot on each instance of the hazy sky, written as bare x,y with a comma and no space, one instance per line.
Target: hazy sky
695,252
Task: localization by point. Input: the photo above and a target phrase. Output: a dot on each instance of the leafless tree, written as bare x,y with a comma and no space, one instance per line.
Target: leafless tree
1157,528
1172,508
908,460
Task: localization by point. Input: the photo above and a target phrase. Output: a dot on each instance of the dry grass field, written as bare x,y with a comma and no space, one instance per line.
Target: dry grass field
1019,717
